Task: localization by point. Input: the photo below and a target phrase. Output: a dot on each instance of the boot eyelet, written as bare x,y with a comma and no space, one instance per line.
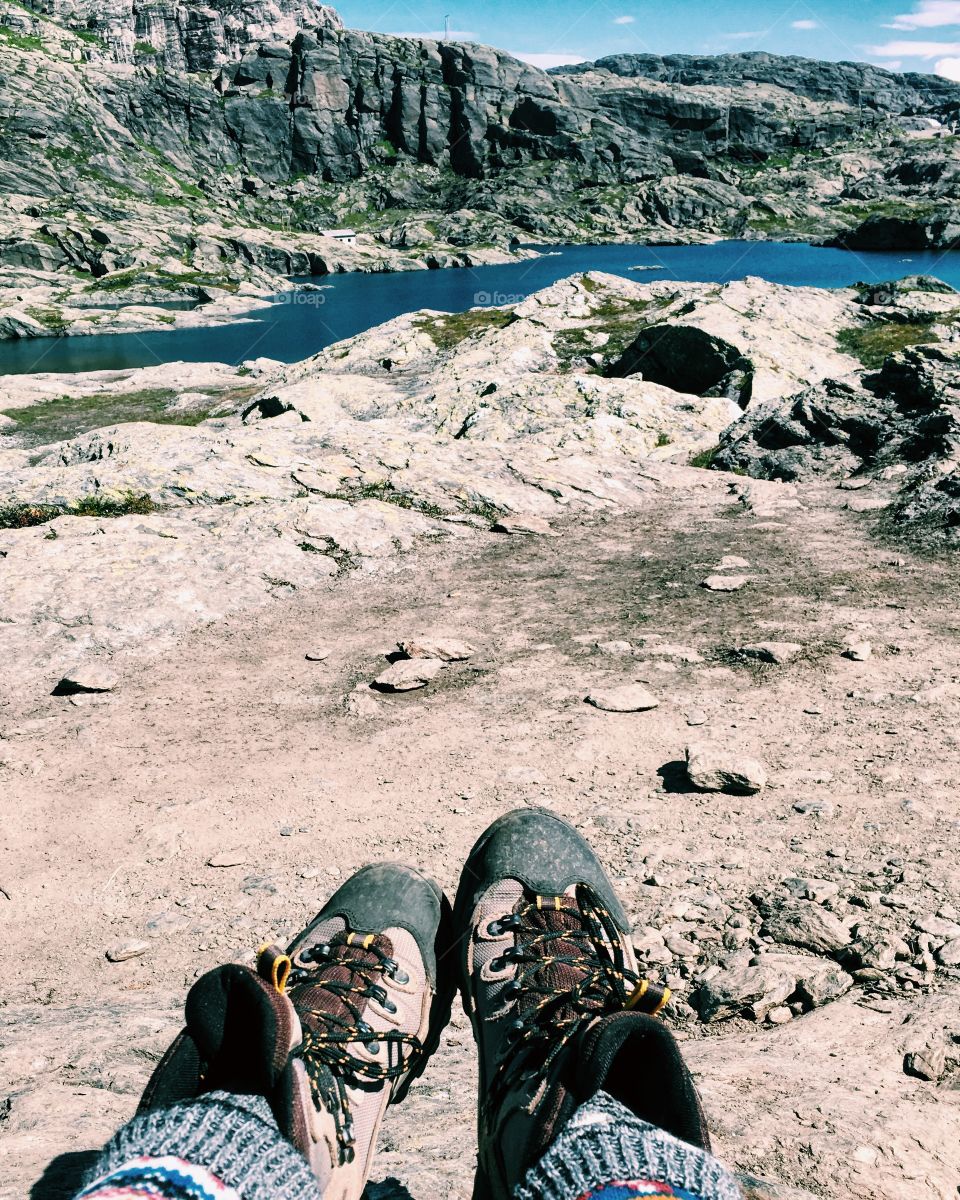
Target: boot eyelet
494,929
372,1048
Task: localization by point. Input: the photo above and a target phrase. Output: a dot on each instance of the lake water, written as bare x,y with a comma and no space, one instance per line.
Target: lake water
303,323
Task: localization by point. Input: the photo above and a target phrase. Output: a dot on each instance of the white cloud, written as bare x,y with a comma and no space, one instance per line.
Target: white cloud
895,64
929,14
915,49
624,20
746,35
949,68
546,61
805,25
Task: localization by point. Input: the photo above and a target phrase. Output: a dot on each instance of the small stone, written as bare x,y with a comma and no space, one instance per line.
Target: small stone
228,858
927,1061
124,951
771,652
615,649
360,702
779,1015
866,504
801,923
814,808
408,675
713,769
938,927
855,483
681,947
320,654
725,583
444,649
858,651
949,955
88,677
757,989
817,890
520,525
697,717
631,697
730,562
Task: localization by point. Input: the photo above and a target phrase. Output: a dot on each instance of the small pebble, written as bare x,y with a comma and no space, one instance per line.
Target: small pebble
858,651
124,951
321,654
725,583
227,858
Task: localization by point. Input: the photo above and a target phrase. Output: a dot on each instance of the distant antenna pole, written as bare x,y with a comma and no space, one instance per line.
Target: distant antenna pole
446,27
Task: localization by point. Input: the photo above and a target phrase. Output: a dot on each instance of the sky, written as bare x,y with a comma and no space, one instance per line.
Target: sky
903,35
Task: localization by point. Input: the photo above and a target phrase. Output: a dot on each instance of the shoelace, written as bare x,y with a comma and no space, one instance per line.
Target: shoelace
328,1030
556,992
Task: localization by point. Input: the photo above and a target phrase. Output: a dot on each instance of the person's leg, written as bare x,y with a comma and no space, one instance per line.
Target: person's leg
582,1089
279,1082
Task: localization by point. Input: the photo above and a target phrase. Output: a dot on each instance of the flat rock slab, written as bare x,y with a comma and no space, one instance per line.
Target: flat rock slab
771,652
858,651
443,648
713,769
725,583
408,675
515,525
89,677
630,697
319,654
124,951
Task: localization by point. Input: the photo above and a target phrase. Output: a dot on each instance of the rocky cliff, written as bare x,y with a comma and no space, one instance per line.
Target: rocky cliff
154,128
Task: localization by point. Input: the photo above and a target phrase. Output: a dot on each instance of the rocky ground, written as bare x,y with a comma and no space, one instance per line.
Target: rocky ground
742,684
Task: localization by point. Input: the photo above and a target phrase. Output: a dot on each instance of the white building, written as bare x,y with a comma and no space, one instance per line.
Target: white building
347,236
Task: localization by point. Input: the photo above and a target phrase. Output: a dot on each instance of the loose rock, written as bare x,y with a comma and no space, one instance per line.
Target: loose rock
228,858
804,924
631,697
127,950
713,769
725,583
443,648
408,675
320,654
771,652
858,651
87,677
515,525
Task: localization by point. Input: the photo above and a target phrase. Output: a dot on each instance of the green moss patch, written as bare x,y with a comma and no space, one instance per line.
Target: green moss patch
24,516
872,344
67,416
448,331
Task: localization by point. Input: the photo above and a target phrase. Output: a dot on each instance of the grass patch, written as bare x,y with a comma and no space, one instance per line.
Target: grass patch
21,41
872,344
25,516
448,331
621,320
67,416
705,459
49,318
145,48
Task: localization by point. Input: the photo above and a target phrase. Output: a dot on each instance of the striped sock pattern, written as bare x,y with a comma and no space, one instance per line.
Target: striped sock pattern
233,1138
605,1151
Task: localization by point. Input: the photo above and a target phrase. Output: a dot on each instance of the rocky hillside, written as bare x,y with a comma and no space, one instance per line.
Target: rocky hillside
213,146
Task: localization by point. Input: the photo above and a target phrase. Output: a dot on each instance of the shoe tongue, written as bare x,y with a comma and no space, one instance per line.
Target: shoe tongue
559,978
352,962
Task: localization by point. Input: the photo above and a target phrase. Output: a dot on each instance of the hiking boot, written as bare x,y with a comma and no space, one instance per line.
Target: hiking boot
559,1012
330,1031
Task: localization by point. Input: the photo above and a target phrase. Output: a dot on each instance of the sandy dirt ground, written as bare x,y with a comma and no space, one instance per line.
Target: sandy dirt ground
233,744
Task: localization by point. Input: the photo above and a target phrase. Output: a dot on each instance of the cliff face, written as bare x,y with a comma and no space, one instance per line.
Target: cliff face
269,116
186,37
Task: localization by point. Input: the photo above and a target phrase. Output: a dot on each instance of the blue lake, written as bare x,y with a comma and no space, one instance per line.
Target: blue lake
304,323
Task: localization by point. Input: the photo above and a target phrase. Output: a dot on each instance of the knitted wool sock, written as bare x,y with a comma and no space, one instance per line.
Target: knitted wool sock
607,1152
205,1147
